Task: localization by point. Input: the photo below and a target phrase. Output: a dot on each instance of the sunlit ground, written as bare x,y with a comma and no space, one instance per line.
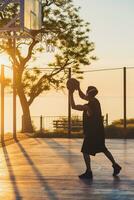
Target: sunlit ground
48,169
8,138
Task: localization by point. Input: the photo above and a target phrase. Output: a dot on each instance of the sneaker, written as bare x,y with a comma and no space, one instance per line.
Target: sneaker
117,169
86,175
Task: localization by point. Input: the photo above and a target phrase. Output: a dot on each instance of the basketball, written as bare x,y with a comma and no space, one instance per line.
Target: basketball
72,84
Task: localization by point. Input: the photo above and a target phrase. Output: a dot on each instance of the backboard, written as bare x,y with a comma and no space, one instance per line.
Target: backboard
32,14
27,18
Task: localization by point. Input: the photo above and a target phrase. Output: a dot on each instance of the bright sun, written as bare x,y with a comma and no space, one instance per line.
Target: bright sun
4,60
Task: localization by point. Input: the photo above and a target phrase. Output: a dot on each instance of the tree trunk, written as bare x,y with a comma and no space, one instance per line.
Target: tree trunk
27,122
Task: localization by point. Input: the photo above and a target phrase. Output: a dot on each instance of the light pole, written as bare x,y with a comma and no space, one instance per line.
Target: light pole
69,106
2,103
124,102
14,87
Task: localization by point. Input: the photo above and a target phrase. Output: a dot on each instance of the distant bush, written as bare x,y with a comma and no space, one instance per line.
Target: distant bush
121,121
110,132
113,131
57,135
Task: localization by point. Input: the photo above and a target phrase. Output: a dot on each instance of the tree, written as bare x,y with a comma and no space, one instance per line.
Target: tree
63,28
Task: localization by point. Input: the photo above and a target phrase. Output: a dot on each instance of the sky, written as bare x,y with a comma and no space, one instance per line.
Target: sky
112,30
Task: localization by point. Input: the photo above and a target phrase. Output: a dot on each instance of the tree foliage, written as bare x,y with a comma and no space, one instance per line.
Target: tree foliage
63,28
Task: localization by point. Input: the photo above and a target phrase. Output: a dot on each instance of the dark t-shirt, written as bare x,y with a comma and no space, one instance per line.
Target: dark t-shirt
93,124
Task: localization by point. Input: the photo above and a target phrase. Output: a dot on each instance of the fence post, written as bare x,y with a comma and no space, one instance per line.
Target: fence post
124,103
2,103
69,106
106,119
41,123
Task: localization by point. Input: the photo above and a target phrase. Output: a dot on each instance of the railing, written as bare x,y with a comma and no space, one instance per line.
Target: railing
59,124
56,124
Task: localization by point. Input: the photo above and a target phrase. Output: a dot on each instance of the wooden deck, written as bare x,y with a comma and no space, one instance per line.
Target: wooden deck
42,169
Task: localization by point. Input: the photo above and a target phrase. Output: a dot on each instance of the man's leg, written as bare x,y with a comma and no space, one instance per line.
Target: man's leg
88,174
115,166
109,156
87,161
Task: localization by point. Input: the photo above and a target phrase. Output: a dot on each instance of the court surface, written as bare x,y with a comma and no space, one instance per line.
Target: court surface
41,169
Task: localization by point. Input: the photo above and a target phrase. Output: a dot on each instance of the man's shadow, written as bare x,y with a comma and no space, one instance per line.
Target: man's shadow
115,183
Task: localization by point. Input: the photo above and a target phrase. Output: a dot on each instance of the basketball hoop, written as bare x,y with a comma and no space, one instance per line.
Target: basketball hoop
48,40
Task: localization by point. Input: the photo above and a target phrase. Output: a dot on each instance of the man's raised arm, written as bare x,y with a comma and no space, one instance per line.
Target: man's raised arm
81,94
77,107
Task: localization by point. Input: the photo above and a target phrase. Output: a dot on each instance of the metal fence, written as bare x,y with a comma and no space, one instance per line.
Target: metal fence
59,124
115,85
